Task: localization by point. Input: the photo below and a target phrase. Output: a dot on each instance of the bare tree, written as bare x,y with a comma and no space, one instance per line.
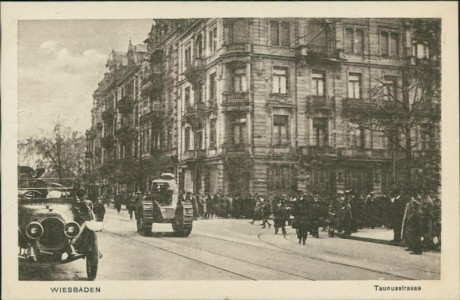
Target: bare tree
62,153
407,111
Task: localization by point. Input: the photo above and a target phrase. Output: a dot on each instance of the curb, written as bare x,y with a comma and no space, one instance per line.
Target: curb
370,240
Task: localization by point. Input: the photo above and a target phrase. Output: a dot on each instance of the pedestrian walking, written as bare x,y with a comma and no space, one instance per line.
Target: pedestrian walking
132,205
281,215
315,215
118,202
257,214
347,217
301,225
266,211
99,210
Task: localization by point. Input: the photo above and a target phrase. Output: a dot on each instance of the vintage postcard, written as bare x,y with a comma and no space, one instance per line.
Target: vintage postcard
181,150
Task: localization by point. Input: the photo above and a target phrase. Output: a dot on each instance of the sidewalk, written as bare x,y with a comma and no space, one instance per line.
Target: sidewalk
376,235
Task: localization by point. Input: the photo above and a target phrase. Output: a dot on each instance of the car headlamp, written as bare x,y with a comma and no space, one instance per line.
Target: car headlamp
34,230
71,229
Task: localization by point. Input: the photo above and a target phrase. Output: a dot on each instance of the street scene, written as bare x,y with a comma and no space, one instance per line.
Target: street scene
232,249
230,149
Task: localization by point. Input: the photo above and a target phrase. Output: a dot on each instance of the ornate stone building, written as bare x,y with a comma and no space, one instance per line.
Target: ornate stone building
276,105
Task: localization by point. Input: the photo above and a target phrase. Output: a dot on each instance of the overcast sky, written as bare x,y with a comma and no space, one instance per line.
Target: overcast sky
60,64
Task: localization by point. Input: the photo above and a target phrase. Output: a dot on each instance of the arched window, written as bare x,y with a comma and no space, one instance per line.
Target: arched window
199,46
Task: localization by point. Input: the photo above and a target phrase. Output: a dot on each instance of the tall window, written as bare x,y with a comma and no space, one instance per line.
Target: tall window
213,134
389,89
420,50
389,44
238,130
156,140
279,84
354,86
280,130
281,177
199,92
187,138
320,131
425,136
239,31
187,98
198,139
318,84
213,40
355,136
199,47
212,86
279,33
239,80
169,139
188,56
354,41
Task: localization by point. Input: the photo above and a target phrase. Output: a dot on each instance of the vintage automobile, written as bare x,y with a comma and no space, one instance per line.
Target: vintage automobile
163,205
55,228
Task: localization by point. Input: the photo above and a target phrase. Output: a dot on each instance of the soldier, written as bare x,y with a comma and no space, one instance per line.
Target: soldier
412,226
427,220
437,222
347,217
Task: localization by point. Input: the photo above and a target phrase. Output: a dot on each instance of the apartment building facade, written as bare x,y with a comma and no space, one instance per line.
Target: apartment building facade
277,105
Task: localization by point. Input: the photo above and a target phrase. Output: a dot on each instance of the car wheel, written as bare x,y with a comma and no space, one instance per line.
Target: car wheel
92,257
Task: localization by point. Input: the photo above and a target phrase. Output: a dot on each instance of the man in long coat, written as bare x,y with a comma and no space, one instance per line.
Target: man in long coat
398,204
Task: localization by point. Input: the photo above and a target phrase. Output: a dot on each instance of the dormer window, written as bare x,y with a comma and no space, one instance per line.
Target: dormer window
420,50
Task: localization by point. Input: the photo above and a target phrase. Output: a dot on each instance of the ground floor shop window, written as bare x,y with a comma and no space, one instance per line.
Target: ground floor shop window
281,178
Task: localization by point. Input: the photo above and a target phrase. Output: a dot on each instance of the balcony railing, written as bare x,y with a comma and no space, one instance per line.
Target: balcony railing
238,47
358,108
107,142
156,114
125,106
236,98
319,51
195,70
371,154
189,154
235,149
320,103
107,116
318,151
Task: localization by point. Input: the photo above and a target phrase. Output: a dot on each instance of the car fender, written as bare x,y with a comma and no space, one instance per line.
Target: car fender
94,225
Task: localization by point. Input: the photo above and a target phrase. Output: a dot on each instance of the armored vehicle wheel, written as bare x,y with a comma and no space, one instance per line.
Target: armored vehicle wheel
182,230
143,228
92,257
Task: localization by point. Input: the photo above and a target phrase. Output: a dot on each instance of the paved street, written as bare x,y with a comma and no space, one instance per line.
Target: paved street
226,249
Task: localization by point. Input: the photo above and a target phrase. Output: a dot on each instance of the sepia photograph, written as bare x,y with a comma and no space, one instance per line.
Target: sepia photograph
189,149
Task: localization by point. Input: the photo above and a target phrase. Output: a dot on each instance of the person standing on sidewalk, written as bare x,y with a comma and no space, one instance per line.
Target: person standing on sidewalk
427,220
398,205
412,229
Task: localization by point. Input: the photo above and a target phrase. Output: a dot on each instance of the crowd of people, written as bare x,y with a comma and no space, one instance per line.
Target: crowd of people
414,217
